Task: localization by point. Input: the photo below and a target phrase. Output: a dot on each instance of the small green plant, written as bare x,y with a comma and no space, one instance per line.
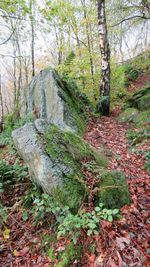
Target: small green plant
147,165
147,154
131,73
136,137
89,221
10,173
44,208
12,122
3,214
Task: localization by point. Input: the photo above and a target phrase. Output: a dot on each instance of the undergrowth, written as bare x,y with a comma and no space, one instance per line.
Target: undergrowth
66,223
137,136
11,122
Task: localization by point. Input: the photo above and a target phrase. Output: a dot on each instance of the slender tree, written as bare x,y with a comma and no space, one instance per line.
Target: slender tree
104,100
1,105
32,36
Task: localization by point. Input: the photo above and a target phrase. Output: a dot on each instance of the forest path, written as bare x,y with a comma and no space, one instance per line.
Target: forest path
127,240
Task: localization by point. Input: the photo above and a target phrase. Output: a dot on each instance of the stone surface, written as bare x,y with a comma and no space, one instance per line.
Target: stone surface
41,168
49,98
53,160
41,125
141,99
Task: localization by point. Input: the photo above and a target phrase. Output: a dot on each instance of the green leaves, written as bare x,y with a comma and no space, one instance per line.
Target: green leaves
25,216
66,223
11,173
90,221
3,214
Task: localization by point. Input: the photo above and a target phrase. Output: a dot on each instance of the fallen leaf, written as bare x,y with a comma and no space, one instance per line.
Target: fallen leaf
6,233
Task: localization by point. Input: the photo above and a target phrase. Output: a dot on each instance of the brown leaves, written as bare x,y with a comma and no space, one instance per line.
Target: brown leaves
128,239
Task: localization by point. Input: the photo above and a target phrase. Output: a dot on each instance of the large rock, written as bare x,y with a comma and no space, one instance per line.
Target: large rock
141,99
41,168
54,160
57,157
50,98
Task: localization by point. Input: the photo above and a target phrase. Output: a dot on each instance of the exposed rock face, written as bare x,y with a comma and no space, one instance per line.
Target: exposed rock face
40,166
59,110
141,99
54,160
139,108
49,98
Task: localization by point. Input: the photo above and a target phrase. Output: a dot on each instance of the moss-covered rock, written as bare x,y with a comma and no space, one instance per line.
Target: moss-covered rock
114,191
66,150
143,103
59,102
141,99
129,115
71,252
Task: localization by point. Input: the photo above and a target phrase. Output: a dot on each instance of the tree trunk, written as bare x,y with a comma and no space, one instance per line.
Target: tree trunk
88,41
32,37
104,101
2,109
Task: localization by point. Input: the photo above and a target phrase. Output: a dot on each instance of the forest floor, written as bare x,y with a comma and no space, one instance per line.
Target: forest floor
123,243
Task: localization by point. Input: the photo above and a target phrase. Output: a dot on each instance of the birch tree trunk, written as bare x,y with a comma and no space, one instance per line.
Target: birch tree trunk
104,101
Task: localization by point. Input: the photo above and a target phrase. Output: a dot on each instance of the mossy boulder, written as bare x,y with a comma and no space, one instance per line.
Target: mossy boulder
114,191
71,252
141,99
67,150
54,161
59,102
129,115
143,103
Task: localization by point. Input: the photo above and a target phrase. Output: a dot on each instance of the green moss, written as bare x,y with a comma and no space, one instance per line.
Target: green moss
129,115
68,150
72,193
141,99
141,62
138,136
113,197
143,118
144,102
77,104
69,255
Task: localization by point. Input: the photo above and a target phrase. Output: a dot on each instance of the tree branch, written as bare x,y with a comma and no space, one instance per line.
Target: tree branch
126,19
12,17
9,35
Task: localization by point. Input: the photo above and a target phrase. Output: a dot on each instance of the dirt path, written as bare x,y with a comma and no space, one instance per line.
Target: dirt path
129,239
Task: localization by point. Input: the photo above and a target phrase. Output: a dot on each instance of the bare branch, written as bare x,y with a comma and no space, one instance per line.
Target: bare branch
9,35
2,55
130,18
